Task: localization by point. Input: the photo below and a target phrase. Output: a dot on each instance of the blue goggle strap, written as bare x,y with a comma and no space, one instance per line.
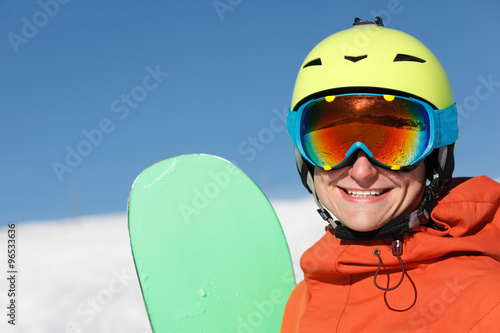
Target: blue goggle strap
446,126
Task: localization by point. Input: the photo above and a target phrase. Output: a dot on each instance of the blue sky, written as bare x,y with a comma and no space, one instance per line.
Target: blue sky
92,92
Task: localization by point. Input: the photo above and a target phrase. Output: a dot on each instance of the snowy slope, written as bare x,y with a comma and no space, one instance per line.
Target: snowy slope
77,275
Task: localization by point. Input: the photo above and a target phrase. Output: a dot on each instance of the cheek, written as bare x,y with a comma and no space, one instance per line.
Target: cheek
419,178
412,180
323,182
320,184
327,177
416,186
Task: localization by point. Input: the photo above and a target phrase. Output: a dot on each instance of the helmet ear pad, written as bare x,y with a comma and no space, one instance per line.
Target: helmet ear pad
441,162
306,171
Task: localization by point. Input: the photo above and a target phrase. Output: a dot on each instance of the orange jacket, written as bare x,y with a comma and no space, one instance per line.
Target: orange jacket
451,284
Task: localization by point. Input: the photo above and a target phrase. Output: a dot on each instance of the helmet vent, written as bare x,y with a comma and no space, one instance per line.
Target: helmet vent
355,59
315,62
406,57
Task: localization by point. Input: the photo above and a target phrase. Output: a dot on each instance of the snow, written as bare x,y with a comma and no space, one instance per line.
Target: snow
77,275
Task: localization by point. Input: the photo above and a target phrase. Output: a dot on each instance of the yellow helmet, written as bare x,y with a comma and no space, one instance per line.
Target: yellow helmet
369,56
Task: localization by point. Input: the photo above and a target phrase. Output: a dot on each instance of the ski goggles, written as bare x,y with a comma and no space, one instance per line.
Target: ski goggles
395,132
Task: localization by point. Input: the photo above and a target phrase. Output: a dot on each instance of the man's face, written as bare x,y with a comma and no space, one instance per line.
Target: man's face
365,197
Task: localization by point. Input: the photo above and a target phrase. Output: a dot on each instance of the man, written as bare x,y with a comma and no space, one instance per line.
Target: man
372,118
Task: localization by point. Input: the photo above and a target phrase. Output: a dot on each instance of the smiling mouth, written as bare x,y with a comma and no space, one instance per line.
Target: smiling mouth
365,194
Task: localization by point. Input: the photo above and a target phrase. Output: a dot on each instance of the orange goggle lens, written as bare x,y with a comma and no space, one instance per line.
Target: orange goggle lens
394,131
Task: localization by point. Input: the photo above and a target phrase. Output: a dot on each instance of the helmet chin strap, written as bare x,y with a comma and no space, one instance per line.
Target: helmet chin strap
323,212
395,229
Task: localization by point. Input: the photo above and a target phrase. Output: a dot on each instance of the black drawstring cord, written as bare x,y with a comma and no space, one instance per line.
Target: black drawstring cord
397,249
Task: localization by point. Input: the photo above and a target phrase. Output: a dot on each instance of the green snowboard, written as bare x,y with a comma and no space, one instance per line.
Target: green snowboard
208,248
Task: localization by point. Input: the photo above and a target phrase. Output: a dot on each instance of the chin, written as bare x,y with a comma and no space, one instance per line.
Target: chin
364,226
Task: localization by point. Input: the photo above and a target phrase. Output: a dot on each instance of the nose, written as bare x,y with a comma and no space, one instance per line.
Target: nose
362,169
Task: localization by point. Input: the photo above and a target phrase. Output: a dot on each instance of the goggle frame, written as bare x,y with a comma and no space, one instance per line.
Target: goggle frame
443,131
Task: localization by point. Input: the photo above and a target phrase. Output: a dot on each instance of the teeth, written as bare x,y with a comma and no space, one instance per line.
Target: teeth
364,194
